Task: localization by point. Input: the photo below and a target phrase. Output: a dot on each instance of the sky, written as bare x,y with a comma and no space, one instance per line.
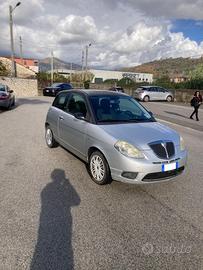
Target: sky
122,33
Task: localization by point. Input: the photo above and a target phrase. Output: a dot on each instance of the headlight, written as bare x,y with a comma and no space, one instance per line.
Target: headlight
128,150
182,144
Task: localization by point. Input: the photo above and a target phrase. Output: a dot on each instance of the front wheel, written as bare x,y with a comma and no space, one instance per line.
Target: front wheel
99,168
146,98
49,137
169,99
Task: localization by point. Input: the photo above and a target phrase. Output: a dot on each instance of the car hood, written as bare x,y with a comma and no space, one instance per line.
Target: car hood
141,134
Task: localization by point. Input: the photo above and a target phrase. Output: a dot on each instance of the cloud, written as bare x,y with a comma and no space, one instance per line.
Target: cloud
76,28
120,32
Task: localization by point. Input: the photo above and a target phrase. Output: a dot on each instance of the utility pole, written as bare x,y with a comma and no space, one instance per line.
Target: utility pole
13,66
21,50
71,68
52,67
83,57
86,59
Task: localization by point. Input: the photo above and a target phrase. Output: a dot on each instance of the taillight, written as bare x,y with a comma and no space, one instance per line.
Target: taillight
4,96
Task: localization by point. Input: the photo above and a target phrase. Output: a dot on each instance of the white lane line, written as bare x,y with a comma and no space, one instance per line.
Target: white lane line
178,125
177,106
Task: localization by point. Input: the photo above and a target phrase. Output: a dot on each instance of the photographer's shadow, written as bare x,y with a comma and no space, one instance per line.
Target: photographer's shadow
54,248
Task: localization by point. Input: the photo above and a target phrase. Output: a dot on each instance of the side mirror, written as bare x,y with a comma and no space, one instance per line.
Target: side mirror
151,113
79,116
10,91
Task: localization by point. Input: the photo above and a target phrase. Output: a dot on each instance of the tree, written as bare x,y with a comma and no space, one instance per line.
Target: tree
3,70
126,83
197,73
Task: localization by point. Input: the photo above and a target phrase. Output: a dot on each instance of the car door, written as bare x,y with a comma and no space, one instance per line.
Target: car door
72,130
162,93
155,93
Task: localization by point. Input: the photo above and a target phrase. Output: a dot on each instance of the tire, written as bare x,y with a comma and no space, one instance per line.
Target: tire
13,103
146,98
9,106
169,99
49,137
99,168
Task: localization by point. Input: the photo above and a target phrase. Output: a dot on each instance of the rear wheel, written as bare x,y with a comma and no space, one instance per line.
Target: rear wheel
169,98
146,98
49,137
99,168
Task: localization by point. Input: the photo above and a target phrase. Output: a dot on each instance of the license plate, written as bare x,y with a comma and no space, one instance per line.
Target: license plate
169,167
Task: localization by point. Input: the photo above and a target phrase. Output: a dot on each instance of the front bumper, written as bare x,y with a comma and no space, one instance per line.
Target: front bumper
4,103
148,171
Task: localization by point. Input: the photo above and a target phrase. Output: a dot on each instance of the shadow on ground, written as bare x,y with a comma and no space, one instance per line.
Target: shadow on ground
177,114
54,244
32,101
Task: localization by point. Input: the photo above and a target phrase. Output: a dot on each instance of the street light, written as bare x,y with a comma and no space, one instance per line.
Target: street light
13,67
86,59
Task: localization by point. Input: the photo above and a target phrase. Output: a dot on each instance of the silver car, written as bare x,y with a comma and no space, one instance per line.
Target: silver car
148,93
7,98
116,136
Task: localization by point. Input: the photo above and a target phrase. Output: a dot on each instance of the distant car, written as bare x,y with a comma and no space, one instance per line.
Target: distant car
55,88
148,93
117,89
116,136
7,98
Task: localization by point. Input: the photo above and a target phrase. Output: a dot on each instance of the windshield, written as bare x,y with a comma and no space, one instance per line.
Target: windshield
118,108
55,84
2,88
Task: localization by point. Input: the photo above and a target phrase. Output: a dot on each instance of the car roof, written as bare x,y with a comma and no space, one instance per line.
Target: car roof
93,92
149,86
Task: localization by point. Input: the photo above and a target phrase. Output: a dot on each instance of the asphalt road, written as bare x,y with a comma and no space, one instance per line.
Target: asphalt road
174,113
54,217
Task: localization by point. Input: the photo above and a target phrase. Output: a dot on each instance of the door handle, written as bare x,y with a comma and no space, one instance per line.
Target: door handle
61,117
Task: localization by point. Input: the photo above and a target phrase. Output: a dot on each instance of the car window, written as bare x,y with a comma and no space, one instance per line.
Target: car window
155,89
77,104
2,88
67,86
160,89
56,85
61,101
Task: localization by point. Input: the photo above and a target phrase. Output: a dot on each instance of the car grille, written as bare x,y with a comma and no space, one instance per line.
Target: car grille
163,150
162,175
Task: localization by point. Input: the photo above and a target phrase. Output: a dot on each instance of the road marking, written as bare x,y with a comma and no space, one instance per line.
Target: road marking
177,106
171,123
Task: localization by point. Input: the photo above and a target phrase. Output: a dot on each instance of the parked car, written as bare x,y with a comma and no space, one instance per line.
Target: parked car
55,88
117,89
116,136
148,93
7,97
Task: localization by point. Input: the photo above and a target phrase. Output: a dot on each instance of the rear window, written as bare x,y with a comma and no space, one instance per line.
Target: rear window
2,88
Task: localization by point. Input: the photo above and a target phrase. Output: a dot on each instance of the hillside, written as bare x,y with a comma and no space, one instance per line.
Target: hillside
45,64
168,67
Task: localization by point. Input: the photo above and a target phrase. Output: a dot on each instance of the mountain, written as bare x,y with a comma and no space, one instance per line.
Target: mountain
168,67
45,64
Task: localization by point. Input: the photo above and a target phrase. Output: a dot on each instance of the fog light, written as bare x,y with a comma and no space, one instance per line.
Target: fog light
130,175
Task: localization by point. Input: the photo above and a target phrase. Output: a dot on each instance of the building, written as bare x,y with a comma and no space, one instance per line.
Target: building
29,63
102,75
179,79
